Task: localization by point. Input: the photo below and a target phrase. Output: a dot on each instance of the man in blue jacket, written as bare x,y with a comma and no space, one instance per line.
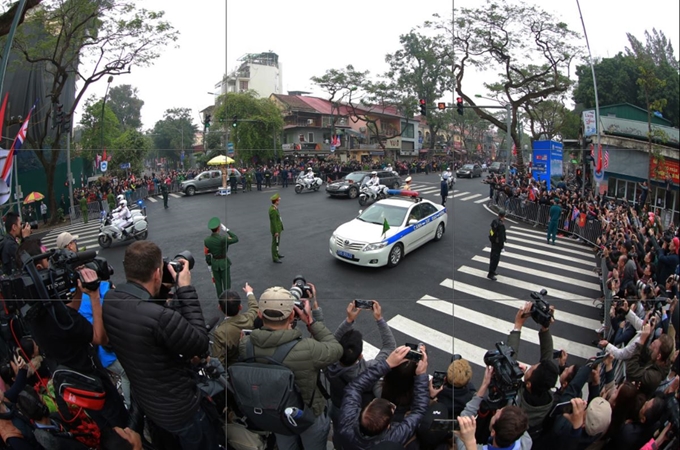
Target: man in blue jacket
364,428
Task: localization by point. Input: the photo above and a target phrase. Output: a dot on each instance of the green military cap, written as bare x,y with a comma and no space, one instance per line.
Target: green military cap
275,197
214,223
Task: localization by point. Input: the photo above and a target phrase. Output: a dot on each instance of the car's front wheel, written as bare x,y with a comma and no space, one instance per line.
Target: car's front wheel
440,232
190,191
353,192
395,256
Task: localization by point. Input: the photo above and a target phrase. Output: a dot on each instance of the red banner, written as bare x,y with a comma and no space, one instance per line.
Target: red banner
660,172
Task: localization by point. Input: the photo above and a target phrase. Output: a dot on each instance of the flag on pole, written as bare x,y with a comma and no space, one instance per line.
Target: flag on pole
606,158
386,226
16,146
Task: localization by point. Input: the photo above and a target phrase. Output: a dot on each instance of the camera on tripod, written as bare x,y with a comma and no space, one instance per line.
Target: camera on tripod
177,264
540,310
507,375
57,282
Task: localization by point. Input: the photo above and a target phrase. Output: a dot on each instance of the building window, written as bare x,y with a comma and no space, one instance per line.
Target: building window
243,85
408,130
310,137
301,137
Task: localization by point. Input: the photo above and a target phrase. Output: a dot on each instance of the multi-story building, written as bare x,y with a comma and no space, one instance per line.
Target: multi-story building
258,72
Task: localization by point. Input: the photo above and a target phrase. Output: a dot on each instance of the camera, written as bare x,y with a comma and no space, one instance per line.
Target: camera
57,282
507,376
540,310
177,264
300,288
673,278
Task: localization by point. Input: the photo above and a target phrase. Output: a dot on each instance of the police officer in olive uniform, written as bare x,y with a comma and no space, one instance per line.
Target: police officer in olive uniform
276,227
215,249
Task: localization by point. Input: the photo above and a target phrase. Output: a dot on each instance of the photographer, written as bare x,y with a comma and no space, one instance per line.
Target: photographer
67,339
508,425
154,342
534,396
667,256
365,427
15,233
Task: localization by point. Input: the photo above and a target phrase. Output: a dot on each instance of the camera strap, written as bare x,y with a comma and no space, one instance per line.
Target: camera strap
131,289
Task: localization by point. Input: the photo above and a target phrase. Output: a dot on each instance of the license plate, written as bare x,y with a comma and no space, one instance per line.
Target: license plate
345,254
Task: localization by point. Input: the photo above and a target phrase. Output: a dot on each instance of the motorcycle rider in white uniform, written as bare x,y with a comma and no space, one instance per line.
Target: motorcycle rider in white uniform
373,183
122,217
448,176
308,178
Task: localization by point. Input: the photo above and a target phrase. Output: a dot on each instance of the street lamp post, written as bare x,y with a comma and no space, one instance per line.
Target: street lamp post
508,124
103,107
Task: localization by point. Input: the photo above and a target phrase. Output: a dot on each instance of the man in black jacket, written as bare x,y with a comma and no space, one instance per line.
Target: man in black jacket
155,340
364,428
497,238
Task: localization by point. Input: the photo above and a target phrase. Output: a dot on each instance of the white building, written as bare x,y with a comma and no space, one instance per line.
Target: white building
259,72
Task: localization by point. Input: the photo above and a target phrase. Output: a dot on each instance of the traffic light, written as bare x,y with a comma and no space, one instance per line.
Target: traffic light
441,105
459,105
423,107
234,121
206,123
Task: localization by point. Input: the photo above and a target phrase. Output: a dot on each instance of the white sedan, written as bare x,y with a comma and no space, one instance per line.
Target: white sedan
412,223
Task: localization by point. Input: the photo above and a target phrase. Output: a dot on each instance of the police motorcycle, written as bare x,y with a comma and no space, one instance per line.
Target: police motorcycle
367,194
108,232
450,181
313,186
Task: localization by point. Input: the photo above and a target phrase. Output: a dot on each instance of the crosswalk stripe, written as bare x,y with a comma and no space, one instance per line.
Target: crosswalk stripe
422,333
541,273
546,253
485,199
152,200
369,351
543,244
441,306
525,258
554,293
429,190
485,294
470,197
563,237
561,240
461,194
175,195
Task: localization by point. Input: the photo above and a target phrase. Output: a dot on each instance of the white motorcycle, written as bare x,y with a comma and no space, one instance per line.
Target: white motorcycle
366,194
108,233
313,186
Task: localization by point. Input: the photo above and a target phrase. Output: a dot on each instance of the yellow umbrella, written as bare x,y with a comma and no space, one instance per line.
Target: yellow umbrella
220,161
33,197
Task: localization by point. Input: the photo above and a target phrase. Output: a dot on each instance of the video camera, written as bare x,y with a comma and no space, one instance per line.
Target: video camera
58,282
300,288
177,264
507,376
540,310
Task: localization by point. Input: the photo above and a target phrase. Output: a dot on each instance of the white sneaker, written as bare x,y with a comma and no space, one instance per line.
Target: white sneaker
600,330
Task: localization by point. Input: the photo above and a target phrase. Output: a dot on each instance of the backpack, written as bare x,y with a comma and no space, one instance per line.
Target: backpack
263,391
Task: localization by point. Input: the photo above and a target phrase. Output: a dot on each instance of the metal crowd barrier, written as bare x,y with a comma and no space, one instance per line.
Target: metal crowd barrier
93,212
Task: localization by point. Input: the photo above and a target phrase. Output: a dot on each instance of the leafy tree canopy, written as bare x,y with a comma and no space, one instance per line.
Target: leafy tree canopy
259,122
174,133
126,106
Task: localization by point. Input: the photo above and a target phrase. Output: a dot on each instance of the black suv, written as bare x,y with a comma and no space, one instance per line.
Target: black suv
349,185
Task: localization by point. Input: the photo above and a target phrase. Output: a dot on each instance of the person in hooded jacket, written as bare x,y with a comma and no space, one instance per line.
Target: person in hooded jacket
363,428
352,362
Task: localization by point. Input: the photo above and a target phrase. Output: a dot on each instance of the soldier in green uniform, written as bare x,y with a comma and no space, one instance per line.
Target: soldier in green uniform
249,179
83,208
111,200
276,227
215,249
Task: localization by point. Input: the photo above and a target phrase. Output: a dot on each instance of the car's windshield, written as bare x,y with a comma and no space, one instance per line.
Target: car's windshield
355,177
377,213
468,166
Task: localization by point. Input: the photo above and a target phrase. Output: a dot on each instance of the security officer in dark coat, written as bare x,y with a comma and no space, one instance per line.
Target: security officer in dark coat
497,238
215,248
259,178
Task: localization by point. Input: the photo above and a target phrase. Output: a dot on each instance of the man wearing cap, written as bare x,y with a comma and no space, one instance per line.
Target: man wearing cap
215,249
497,238
305,360
555,213
275,227
67,241
165,186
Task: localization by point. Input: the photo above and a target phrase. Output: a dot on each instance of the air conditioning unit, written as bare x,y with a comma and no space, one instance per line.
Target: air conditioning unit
362,129
310,121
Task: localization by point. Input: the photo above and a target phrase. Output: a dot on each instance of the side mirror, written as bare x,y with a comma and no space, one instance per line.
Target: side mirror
412,221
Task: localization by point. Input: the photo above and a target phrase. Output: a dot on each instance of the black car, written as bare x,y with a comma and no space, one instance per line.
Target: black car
349,185
469,170
497,167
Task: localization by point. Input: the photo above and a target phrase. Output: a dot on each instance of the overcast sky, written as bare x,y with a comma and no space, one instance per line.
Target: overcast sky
180,77
311,37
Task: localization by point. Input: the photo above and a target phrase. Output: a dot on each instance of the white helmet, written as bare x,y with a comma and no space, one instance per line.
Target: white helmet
309,169
448,168
120,198
123,203
408,179
374,173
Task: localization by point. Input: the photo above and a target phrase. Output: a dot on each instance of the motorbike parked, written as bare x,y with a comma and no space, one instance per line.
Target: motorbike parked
108,233
367,194
313,186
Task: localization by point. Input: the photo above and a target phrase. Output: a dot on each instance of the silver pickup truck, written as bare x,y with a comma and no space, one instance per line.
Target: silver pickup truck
210,180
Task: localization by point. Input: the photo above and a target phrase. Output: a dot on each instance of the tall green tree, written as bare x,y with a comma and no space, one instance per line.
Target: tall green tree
130,147
174,133
550,119
259,125
96,134
113,35
126,106
531,50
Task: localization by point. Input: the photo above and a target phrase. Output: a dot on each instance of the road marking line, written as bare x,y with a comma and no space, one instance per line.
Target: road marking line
369,351
524,258
553,293
422,333
496,214
470,197
541,273
429,191
461,194
544,244
152,200
546,253
485,199
485,294
544,238
175,195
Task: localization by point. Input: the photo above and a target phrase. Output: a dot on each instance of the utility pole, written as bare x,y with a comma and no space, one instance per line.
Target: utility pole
508,124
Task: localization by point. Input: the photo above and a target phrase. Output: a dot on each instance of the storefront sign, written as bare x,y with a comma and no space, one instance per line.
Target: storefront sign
660,172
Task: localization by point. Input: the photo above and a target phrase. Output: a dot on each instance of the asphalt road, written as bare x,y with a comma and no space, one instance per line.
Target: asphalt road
420,299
